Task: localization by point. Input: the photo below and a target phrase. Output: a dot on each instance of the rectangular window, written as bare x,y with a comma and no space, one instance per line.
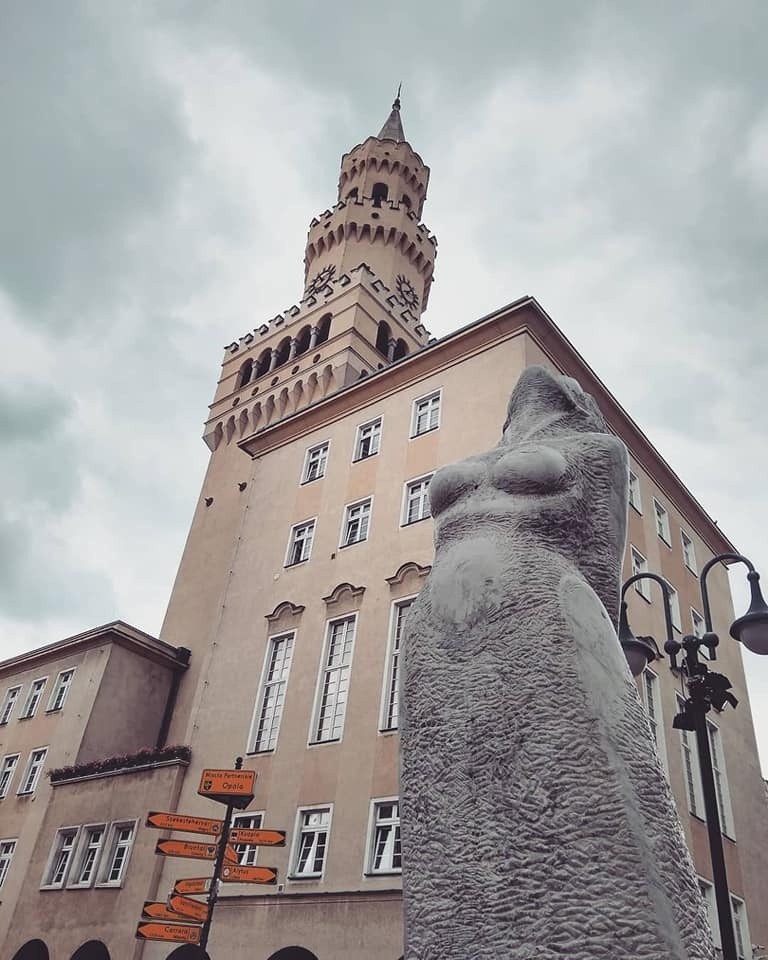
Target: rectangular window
334,681
634,493
674,607
356,523
312,842
691,770
741,929
88,857
269,707
60,690
707,891
391,693
662,522
118,852
652,699
9,701
416,501
7,850
689,553
721,780
426,414
247,852
315,463
61,857
300,544
7,771
640,565
368,439
699,629
33,771
33,698
384,850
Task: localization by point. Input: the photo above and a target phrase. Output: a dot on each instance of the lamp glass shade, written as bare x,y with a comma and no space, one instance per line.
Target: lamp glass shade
752,633
637,657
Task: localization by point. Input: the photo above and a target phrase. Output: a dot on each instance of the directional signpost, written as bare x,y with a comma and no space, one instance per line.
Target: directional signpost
182,919
238,874
173,932
178,821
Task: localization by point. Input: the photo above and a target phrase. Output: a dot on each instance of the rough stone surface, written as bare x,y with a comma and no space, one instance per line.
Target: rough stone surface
536,820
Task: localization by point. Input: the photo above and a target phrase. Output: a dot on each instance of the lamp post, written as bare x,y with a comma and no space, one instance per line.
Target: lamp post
706,691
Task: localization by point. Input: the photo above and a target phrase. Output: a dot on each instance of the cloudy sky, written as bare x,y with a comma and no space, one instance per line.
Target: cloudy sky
160,165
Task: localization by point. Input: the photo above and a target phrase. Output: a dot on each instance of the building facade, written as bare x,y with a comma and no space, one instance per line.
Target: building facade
310,539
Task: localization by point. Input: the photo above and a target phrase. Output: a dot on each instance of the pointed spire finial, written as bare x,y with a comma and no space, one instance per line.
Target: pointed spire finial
393,128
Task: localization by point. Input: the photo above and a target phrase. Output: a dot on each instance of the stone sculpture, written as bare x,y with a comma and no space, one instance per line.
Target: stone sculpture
536,819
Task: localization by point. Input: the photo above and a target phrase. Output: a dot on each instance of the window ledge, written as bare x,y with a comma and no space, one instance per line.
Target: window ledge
410,523
301,877
354,543
260,753
55,710
664,540
303,483
690,570
319,743
422,432
297,563
637,510
366,457
389,730
372,874
115,885
47,887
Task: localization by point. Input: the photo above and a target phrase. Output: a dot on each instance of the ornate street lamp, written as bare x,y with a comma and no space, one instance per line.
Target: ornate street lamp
706,691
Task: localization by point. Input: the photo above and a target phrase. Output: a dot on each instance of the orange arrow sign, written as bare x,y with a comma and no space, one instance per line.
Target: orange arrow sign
175,932
258,838
187,848
234,787
187,907
179,821
156,910
193,885
249,875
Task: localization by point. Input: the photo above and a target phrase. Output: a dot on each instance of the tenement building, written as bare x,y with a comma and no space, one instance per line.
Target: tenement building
310,540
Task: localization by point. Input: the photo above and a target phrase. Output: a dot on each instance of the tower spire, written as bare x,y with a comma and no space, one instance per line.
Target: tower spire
393,127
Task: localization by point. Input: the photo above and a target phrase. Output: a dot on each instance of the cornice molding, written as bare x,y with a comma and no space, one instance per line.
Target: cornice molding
410,566
339,590
285,607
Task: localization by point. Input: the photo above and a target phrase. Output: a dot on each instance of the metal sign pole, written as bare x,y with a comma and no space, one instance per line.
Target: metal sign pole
214,891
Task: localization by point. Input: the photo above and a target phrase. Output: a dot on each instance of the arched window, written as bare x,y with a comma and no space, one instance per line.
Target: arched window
92,950
380,192
293,953
323,329
245,374
302,340
283,351
32,950
262,364
353,194
401,350
382,338
406,200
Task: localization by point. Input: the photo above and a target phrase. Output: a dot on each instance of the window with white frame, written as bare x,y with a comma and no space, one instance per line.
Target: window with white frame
384,849
118,853
391,711
416,500
247,852
7,850
699,629
368,439
357,520
691,775
7,770
33,698
33,771
334,681
9,701
61,857
311,842
741,929
662,522
640,565
634,492
426,414
315,463
689,552
652,699
89,848
721,779
707,891
674,607
300,544
269,706
61,689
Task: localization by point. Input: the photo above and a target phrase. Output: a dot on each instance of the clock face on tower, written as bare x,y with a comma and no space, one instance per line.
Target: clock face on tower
406,292
320,280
